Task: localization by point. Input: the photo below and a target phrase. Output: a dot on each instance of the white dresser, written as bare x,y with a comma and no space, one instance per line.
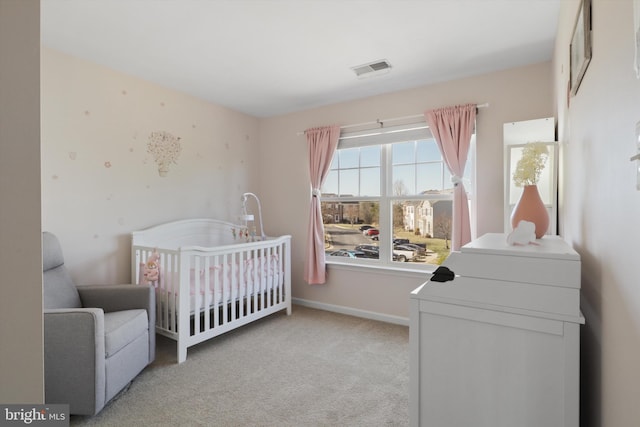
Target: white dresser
498,346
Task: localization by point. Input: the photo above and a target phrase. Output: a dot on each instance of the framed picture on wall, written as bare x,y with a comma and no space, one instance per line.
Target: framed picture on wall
580,48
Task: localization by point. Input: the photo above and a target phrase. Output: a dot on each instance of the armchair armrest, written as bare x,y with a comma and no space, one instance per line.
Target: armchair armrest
124,297
74,358
117,297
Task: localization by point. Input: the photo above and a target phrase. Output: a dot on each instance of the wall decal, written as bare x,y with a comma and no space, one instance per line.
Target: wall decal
165,149
107,164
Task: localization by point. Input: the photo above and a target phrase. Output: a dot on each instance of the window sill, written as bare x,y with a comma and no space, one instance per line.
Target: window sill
419,273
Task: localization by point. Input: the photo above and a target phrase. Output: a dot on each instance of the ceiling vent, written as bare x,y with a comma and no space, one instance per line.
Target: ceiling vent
373,68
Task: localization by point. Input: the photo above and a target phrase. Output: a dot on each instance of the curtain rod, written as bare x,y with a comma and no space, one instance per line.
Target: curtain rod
394,119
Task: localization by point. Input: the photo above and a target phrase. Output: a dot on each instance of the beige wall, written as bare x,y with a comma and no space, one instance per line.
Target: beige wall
601,206
21,360
99,183
513,95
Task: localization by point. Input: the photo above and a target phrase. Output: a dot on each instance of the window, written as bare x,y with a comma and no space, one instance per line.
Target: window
387,200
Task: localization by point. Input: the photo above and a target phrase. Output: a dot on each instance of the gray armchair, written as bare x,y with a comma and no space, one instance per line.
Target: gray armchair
96,338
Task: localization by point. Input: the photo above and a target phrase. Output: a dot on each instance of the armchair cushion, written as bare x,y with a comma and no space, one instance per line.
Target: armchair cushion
122,328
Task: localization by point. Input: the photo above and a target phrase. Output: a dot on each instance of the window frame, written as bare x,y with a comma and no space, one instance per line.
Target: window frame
385,139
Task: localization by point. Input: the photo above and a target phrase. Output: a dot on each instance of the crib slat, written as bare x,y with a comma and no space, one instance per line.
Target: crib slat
275,263
261,274
242,283
162,290
195,309
254,290
270,272
225,289
263,278
207,292
280,283
233,284
163,309
216,292
171,295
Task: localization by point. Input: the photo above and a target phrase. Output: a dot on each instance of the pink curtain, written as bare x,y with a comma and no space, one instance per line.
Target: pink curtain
322,145
452,128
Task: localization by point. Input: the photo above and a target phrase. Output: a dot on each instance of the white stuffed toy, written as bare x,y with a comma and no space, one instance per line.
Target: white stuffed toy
524,234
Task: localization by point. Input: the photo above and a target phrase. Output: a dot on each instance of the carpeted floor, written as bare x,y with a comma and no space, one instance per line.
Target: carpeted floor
313,368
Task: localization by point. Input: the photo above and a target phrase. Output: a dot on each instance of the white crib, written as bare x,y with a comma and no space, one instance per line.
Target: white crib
212,280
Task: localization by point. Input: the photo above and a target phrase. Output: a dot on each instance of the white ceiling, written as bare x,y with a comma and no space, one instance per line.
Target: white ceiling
271,57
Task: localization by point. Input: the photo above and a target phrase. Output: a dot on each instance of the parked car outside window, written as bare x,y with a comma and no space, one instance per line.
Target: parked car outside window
347,253
371,232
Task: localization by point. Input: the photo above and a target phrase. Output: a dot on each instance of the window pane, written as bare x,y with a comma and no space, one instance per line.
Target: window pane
370,156
349,182
404,180
403,153
351,229
370,182
428,151
421,231
334,161
349,158
429,177
330,185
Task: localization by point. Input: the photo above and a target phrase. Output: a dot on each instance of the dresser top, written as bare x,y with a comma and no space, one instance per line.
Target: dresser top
547,247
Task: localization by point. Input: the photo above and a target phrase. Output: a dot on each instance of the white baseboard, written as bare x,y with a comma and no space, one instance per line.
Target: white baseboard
352,311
